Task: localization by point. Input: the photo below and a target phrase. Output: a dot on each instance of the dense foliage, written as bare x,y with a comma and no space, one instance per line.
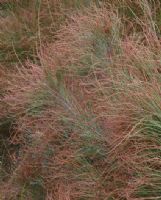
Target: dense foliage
80,100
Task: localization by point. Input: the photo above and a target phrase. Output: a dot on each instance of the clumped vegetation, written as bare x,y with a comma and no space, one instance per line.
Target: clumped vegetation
80,100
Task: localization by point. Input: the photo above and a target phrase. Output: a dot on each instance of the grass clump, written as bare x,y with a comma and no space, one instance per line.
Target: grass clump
25,24
87,116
